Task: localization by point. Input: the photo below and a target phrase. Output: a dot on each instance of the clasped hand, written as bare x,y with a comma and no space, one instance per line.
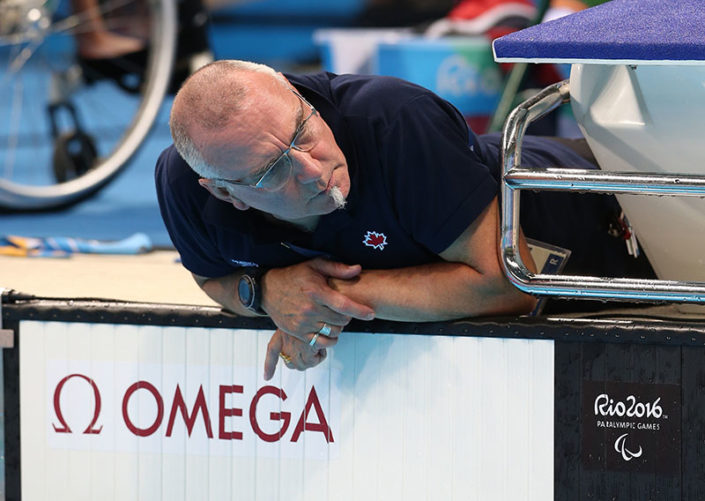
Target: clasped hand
301,303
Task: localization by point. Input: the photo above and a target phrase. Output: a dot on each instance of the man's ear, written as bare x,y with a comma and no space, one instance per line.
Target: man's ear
222,194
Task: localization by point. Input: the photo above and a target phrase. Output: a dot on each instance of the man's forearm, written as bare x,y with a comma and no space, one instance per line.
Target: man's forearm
434,292
297,298
223,290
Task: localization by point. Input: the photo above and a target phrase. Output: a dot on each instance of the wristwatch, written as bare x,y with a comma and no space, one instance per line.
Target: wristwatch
249,291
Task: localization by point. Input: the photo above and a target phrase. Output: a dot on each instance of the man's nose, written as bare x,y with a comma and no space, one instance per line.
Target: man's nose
306,169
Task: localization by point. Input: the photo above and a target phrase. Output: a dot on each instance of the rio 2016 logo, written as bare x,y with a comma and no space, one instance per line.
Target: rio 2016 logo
606,406
631,426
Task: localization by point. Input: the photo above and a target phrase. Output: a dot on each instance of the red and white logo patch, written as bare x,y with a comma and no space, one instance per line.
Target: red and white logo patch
375,240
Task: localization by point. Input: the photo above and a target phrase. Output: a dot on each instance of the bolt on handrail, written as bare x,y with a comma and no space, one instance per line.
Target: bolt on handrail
516,178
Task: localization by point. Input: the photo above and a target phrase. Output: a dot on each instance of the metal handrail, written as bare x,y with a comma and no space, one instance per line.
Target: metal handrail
516,178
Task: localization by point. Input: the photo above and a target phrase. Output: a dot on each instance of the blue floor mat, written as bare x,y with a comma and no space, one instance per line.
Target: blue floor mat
128,205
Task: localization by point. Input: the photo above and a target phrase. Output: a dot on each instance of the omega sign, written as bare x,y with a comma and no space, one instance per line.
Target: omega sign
103,412
631,427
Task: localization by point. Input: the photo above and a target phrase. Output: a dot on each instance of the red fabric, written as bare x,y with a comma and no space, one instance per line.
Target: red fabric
470,9
499,31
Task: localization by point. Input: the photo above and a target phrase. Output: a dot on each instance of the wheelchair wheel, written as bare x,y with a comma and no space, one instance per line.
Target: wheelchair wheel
69,125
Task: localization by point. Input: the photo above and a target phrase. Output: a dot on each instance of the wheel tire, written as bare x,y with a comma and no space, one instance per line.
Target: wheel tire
29,160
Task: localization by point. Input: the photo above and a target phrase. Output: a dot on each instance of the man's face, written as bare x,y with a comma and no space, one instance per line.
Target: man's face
258,136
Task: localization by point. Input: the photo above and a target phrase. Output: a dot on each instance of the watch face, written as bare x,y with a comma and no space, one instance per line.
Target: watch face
245,289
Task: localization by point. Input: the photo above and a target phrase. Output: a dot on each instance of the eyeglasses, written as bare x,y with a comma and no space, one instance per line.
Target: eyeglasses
277,173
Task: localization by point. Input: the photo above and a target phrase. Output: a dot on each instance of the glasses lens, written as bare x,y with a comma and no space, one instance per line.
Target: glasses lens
277,176
303,141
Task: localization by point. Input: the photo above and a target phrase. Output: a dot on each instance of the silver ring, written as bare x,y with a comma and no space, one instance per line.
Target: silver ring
325,330
314,338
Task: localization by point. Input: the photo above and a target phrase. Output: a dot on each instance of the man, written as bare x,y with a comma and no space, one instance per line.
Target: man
318,199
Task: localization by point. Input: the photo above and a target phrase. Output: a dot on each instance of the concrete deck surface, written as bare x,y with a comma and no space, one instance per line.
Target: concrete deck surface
155,277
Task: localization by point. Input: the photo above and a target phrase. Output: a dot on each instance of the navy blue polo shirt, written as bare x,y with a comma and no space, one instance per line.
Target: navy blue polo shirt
419,178
417,182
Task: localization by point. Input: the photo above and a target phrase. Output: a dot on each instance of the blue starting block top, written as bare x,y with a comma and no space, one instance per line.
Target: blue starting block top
618,32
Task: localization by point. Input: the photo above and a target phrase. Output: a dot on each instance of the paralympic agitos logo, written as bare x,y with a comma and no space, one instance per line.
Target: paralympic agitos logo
310,418
631,407
631,426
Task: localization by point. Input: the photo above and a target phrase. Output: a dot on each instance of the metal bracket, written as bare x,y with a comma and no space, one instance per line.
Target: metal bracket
516,179
7,336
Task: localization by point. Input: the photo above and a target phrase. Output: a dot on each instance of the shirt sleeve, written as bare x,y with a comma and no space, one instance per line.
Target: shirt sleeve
438,183
182,202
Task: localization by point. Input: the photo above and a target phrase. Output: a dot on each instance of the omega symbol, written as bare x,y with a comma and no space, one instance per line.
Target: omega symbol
64,428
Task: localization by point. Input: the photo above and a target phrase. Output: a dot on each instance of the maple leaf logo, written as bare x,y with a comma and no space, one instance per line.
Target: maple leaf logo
375,240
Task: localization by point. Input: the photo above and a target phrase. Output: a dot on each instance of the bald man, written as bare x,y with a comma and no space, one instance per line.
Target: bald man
316,199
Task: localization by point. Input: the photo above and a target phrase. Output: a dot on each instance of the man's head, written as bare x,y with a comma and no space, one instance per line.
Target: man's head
256,142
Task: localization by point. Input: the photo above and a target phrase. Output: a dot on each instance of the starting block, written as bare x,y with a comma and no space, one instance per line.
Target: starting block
637,88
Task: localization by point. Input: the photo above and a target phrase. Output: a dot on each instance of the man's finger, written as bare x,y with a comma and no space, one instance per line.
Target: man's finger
297,350
339,303
313,358
302,356
321,355
335,269
274,348
316,340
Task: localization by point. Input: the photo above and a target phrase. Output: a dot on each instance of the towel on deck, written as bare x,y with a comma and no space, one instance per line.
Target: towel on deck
13,245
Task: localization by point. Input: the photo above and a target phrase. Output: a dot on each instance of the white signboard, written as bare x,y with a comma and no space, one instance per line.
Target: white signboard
146,412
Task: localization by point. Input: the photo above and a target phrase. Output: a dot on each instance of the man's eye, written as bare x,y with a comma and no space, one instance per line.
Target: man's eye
306,137
261,173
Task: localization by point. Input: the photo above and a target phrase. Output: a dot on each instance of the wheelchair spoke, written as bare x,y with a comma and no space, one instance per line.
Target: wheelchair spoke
68,126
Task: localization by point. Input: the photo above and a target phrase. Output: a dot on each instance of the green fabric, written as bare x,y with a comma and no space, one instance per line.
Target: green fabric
592,3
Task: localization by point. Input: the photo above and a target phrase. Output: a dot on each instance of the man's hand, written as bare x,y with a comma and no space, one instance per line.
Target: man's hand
297,354
300,301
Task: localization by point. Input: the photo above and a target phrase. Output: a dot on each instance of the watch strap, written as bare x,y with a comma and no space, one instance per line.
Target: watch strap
254,276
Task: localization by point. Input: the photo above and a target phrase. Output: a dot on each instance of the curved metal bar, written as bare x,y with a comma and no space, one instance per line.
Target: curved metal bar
515,179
